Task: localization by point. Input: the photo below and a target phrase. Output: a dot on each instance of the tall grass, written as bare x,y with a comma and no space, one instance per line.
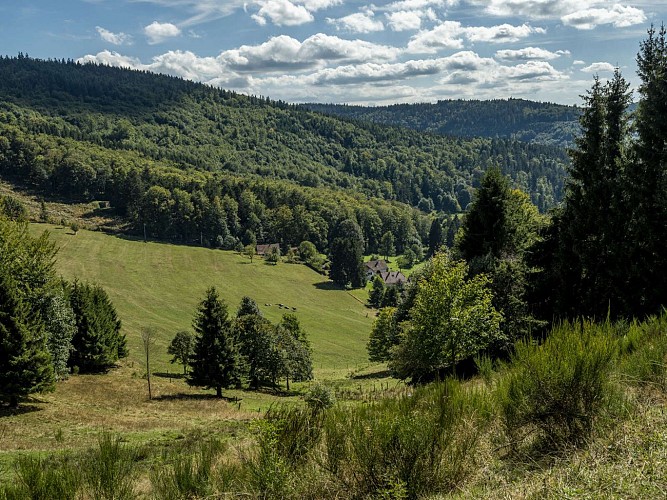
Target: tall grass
43,479
644,347
555,392
409,446
186,475
109,470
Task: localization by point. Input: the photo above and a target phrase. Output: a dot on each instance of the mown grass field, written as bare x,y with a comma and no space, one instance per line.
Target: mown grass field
159,285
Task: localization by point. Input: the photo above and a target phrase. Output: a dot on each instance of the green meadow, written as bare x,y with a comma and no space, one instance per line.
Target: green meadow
159,285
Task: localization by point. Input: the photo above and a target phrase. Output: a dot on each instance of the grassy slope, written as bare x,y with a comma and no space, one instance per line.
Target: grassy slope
159,285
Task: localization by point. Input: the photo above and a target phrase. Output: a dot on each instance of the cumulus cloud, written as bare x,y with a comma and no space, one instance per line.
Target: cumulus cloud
450,34
404,20
581,14
599,67
618,15
282,13
529,54
359,22
403,5
286,53
114,38
159,32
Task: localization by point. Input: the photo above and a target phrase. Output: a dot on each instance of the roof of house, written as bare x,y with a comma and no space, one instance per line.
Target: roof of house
393,277
377,265
264,249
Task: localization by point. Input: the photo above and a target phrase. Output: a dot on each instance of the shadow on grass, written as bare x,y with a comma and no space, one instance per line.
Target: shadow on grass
374,375
327,285
195,397
7,411
168,375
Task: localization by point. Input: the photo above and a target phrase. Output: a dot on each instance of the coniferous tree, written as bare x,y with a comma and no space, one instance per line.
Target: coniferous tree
98,342
436,237
646,180
376,295
25,363
347,251
215,362
60,325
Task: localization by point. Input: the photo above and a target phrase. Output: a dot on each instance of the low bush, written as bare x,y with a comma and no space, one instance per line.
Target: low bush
110,469
645,353
555,392
406,447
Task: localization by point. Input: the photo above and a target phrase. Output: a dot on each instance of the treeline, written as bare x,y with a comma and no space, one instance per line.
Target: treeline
197,127
529,121
48,327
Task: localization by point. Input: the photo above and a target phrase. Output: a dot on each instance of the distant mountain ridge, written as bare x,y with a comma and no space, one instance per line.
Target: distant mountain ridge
190,126
528,121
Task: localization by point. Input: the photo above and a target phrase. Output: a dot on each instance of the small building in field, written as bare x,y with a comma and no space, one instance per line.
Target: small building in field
263,250
393,278
374,268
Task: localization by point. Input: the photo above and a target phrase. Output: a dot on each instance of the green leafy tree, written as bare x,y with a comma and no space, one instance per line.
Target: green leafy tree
25,363
297,353
215,362
387,247
60,325
181,348
381,338
274,255
13,209
452,319
376,295
98,342
250,251
307,251
248,306
347,255
258,346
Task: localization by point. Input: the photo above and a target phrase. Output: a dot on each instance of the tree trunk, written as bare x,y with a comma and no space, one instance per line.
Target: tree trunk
287,380
218,391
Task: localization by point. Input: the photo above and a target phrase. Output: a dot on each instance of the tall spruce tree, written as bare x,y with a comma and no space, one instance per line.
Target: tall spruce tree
347,251
646,179
589,260
216,362
98,342
25,363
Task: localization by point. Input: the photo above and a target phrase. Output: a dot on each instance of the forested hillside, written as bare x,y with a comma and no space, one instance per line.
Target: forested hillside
89,112
536,122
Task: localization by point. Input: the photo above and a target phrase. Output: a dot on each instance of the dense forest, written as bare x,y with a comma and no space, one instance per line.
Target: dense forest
195,127
535,122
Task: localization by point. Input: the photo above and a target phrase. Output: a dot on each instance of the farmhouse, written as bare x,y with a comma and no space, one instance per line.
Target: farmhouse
374,267
263,250
392,278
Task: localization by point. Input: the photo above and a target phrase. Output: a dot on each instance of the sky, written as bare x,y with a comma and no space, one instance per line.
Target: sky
348,51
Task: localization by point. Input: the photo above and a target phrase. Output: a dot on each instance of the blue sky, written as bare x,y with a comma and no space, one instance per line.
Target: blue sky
348,50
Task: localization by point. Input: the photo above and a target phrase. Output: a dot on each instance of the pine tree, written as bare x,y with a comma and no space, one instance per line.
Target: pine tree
646,180
25,363
436,237
98,342
215,361
347,250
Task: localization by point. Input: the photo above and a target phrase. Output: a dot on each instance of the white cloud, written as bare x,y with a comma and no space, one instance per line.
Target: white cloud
450,34
578,62
114,38
581,14
159,32
112,59
315,5
419,4
501,33
359,22
282,13
202,10
599,67
618,15
529,54
404,20
283,53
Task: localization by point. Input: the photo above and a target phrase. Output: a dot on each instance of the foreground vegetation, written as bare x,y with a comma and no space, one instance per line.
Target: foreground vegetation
564,417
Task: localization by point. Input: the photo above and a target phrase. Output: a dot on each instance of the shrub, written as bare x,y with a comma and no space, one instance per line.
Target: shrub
407,447
297,431
320,397
44,479
558,390
644,347
268,472
109,470
189,475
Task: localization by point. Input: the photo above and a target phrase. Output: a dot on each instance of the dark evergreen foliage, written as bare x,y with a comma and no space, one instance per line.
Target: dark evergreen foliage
347,251
216,361
25,363
98,342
